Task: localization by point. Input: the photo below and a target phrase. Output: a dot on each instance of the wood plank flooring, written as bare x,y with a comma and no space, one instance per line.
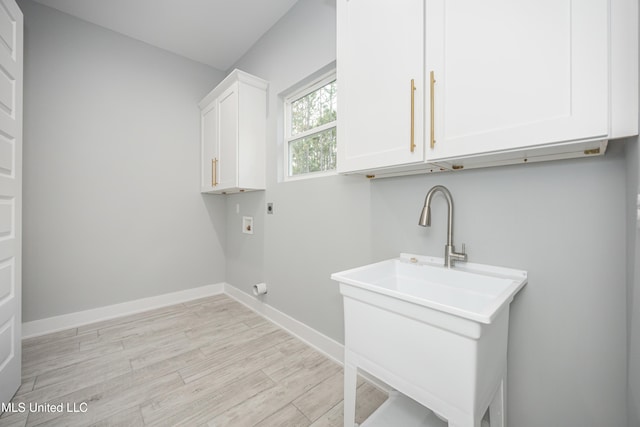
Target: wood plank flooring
209,362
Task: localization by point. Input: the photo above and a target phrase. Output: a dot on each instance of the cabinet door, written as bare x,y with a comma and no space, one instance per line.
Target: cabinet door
512,74
228,138
380,52
209,146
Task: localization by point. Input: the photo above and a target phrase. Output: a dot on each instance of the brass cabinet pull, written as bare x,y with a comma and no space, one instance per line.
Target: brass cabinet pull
214,172
432,88
413,89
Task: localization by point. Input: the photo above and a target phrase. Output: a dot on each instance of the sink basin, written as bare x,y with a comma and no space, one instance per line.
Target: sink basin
437,335
472,291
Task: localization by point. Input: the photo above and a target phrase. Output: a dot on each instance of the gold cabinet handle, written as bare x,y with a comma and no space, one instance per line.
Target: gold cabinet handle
214,172
432,84
413,90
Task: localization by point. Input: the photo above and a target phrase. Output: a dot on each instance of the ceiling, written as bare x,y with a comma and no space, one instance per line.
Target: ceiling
214,32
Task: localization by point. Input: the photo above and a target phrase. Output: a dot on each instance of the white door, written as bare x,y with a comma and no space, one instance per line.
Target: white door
380,52
11,21
209,155
512,74
228,138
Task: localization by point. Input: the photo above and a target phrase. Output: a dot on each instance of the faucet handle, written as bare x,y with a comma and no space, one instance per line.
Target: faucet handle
464,253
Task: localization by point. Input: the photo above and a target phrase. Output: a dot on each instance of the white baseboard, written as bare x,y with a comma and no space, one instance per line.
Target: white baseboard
66,321
332,349
329,347
325,345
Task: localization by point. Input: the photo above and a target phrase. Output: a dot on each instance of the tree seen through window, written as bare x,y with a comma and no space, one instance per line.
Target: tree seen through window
312,132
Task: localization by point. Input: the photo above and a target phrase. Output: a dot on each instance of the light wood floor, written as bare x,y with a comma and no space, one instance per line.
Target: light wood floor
207,362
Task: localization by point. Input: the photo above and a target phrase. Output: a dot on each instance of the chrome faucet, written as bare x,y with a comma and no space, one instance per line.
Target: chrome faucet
450,254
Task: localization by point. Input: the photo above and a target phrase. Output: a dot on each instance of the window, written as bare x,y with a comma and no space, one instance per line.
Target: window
310,129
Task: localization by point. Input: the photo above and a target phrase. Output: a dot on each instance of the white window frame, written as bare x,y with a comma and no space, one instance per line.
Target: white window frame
291,98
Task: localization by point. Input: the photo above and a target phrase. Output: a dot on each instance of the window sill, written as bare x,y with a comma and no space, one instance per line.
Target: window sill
310,175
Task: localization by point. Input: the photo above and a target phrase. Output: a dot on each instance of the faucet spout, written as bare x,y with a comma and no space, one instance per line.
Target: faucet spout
450,255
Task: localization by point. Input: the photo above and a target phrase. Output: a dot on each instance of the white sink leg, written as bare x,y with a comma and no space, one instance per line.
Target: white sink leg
350,384
497,407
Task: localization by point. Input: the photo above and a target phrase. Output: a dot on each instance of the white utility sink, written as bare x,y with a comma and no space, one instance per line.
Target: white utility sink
435,334
473,291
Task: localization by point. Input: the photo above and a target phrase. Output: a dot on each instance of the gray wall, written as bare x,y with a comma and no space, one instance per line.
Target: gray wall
319,226
633,279
564,222
112,210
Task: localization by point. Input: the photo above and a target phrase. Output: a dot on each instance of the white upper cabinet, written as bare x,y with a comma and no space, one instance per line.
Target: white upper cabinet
517,74
513,80
380,53
234,135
